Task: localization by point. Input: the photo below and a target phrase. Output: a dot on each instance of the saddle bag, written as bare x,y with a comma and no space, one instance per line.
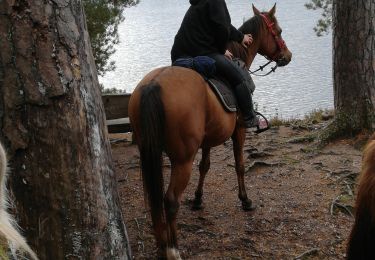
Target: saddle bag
202,64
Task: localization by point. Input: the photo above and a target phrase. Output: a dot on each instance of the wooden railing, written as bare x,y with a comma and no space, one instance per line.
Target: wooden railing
116,111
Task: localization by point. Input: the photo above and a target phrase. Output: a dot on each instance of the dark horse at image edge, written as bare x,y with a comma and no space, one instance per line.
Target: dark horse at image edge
173,110
362,237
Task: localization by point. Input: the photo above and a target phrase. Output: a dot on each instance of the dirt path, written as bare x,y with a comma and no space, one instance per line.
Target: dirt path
302,196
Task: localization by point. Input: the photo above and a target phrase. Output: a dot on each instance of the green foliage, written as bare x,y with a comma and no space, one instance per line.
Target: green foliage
318,115
314,117
103,18
3,249
111,90
324,24
344,125
276,121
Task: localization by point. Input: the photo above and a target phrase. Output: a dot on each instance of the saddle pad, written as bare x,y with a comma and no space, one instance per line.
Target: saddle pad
224,93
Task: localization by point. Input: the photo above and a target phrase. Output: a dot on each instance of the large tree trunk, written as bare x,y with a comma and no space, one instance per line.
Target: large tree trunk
353,66
52,121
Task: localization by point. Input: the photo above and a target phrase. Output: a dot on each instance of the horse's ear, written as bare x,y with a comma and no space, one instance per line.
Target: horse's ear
272,11
255,10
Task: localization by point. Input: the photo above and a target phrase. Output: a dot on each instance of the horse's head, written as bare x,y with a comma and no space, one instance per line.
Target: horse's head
271,44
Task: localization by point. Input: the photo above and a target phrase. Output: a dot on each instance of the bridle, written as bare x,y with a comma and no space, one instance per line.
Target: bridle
279,41
280,47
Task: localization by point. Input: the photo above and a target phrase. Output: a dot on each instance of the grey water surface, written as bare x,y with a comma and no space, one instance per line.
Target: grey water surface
305,84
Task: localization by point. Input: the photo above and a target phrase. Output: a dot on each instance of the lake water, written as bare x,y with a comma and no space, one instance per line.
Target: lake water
305,84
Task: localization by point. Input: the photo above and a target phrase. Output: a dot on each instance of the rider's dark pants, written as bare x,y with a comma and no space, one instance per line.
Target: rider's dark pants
240,81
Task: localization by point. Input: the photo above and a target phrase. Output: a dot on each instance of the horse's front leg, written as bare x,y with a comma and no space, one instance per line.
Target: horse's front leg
204,166
238,138
180,177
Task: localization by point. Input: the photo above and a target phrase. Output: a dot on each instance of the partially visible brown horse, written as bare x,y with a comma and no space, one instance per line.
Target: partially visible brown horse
174,110
362,238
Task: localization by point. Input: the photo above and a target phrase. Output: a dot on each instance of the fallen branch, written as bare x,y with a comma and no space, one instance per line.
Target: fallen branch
136,221
351,175
261,231
350,190
264,164
119,140
136,166
312,251
256,155
125,179
303,139
335,203
339,205
141,246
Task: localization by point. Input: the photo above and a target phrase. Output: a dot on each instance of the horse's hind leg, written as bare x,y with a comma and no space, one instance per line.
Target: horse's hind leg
204,166
180,177
238,138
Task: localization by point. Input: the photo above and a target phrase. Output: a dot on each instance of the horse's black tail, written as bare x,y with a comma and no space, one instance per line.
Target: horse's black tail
151,144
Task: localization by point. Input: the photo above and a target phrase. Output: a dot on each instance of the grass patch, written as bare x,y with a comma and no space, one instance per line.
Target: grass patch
318,115
314,117
3,249
303,139
289,160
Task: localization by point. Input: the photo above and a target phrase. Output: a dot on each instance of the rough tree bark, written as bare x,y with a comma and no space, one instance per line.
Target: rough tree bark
353,67
52,122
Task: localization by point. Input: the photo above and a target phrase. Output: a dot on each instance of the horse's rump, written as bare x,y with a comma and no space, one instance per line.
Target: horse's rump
192,109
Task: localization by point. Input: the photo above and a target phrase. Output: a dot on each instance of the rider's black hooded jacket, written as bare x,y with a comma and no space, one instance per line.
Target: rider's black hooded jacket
205,29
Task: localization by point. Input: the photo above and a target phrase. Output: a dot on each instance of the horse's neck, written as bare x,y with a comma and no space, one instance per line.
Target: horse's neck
246,55
252,51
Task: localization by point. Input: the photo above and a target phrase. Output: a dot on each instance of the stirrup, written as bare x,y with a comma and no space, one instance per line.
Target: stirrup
259,129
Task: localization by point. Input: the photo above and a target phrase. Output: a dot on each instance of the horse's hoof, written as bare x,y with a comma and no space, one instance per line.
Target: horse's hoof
196,205
248,205
161,255
173,254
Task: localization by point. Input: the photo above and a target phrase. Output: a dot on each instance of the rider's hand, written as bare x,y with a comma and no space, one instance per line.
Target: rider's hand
247,40
228,54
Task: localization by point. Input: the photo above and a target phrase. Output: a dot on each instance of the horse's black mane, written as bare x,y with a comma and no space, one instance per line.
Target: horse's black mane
252,26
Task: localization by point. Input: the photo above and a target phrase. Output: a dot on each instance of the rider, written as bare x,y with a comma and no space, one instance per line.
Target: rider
205,31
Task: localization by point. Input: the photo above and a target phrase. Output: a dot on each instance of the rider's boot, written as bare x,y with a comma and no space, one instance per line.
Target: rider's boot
245,103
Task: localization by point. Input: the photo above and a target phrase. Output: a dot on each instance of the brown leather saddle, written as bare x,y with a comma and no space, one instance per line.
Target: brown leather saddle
224,93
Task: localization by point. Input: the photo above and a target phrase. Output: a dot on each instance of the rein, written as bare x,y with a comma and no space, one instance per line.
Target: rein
273,69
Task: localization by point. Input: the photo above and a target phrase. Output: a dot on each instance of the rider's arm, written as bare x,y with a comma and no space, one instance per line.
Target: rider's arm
235,35
219,15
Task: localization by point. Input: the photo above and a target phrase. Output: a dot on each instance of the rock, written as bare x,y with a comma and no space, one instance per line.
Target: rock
327,115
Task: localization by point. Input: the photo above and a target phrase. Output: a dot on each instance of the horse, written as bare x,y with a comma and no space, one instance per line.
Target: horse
8,226
362,236
173,110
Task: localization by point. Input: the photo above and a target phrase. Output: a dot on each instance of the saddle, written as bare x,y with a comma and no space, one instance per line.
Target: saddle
206,67
224,93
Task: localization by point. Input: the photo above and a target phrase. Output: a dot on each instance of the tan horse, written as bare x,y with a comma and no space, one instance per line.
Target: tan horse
174,110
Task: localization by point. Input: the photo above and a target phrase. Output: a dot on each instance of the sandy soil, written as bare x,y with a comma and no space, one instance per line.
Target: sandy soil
303,196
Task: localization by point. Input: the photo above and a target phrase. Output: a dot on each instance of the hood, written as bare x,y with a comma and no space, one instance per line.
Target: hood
194,2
